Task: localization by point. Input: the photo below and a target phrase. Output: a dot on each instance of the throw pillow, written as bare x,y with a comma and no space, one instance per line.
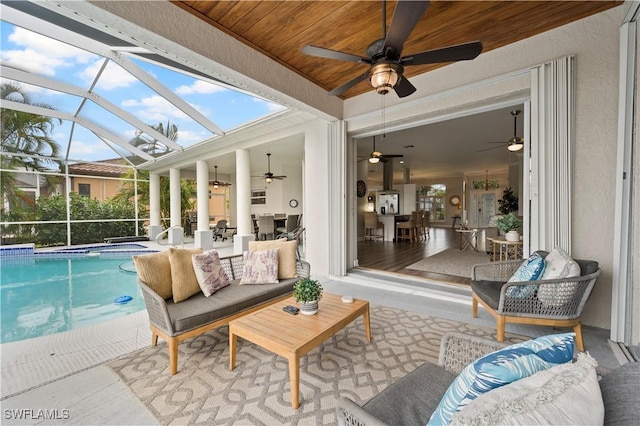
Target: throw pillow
209,272
558,264
530,270
184,283
500,368
260,267
154,270
567,394
286,255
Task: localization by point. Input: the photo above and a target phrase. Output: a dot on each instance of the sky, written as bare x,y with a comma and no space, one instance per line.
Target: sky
28,51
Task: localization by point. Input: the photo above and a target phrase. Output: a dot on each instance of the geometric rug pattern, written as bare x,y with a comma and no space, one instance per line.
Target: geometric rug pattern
257,391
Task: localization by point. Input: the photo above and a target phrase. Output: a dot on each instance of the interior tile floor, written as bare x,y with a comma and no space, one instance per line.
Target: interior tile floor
68,371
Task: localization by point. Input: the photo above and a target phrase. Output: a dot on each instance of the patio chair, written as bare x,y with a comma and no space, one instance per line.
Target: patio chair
220,230
556,303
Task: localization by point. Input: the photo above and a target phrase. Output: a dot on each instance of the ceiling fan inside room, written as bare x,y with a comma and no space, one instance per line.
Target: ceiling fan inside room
516,143
269,177
376,156
384,56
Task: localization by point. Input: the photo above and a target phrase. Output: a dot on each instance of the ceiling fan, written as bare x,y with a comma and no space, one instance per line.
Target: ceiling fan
216,183
514,144
377,156
385,55
269,177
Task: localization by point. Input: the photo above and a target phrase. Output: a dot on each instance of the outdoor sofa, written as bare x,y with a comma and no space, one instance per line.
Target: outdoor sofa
175,321
412,399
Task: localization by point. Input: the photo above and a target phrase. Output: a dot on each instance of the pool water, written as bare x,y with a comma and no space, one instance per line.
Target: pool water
49,295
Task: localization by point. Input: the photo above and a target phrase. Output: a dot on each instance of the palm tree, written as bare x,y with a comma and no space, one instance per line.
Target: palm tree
29,137
155,147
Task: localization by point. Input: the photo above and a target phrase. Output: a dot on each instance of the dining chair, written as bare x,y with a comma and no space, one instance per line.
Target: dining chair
290,226
266,227
371,226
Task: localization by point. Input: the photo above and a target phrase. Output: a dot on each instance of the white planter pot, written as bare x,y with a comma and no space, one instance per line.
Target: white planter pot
309,308
512,236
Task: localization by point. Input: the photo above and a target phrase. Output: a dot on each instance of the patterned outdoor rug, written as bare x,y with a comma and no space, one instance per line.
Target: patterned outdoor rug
257,391
451,262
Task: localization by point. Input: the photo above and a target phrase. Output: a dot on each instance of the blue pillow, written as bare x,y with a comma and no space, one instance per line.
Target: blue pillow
530,270
502,367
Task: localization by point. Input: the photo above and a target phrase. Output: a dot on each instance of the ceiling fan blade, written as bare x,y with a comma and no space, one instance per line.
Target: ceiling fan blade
321,52
489,149
279,177
460,52
405,18
404,88
348,85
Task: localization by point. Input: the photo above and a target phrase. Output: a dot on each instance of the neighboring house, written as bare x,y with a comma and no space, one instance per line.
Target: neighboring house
100,180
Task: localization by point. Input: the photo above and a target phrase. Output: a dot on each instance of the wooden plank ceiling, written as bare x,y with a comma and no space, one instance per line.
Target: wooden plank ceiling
280,29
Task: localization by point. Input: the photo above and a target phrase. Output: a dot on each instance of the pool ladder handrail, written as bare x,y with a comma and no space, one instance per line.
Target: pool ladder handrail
166,231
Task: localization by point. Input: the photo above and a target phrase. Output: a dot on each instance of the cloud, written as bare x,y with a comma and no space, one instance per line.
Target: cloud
154,109
113,76
47,46
187,137
271,107
199,87
34,62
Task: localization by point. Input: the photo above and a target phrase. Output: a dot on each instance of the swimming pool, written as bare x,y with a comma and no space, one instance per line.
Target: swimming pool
44,295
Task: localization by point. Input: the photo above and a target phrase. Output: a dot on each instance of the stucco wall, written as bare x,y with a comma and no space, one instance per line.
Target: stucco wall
594,42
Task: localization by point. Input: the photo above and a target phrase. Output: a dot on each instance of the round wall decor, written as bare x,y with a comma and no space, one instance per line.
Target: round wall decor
293,203
454,200
361,188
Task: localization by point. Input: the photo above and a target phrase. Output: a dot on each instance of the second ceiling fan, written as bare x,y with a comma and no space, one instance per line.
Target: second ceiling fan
269,177
384,56
516,143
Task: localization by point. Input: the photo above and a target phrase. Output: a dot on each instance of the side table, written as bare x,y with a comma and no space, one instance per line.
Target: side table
468,238
505,250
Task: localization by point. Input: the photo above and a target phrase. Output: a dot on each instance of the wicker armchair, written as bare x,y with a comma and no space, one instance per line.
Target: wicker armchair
557,303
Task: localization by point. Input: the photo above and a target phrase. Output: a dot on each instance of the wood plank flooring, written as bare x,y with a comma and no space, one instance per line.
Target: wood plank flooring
395,257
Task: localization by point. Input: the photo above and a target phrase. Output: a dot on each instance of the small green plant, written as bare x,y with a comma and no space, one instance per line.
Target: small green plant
509,222
307,290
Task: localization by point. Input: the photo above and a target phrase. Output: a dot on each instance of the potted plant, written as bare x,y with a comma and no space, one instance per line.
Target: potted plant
307,293
509,224
509,202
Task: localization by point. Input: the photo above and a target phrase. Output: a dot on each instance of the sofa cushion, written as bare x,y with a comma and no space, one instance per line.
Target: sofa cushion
199,310
154,270
411,399
260,267
567,394
620,390
209,272
184,283
286,255
500,368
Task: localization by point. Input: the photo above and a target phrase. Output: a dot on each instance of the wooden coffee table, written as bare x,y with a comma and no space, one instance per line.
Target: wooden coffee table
293,336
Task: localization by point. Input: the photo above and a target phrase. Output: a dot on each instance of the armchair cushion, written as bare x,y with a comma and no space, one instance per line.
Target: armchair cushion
500,368
209,272
564,394
260,267
530,270
488,291
154,270
184,283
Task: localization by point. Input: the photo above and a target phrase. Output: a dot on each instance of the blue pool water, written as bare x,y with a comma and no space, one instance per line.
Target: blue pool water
42,296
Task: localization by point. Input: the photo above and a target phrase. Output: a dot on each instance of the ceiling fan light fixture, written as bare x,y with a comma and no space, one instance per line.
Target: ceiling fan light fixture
384,76
268,179
515,145
375,157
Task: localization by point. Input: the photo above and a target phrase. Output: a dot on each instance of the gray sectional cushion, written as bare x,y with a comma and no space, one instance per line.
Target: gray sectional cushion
488,291
411,399
199,310
620,390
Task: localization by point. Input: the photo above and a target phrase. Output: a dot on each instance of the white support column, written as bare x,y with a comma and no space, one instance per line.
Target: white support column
203,237
176,235
155,225
243,202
